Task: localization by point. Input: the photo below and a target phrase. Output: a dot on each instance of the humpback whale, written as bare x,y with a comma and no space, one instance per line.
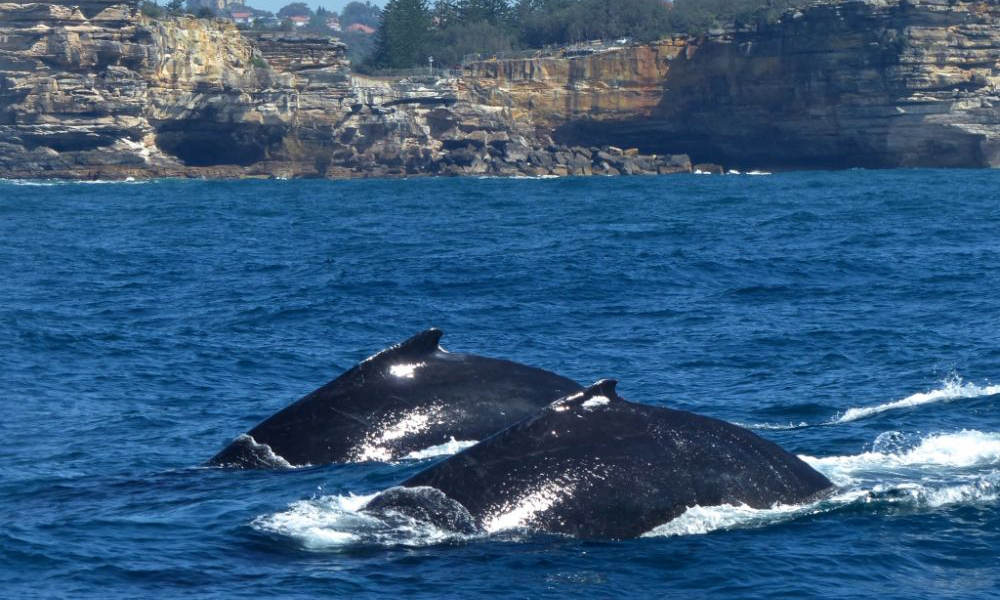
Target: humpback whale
594,465
406,398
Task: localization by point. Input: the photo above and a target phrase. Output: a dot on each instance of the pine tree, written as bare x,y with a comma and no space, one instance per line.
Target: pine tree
496,12
404,34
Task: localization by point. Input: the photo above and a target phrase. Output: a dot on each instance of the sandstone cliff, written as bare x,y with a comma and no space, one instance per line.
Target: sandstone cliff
858,83
91,89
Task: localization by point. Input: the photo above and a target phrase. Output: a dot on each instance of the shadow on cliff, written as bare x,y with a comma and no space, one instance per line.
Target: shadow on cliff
206,143
742,104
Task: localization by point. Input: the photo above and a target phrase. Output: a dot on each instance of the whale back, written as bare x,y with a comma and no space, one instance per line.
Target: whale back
409,397
595,465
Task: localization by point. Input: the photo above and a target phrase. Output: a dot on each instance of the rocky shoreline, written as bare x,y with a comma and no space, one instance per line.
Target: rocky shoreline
91,89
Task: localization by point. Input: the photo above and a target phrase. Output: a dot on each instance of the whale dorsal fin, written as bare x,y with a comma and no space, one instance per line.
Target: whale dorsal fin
424,342
604,387
601,393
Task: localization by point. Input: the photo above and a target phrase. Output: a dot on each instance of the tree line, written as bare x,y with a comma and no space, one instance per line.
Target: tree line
411,31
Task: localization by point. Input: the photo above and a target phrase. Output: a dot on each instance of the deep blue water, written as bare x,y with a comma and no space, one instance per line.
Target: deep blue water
143,326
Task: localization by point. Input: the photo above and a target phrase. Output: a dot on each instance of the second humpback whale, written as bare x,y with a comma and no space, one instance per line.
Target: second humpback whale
594,465
409,397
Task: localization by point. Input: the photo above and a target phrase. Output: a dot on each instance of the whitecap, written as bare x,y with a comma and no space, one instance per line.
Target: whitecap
774,426
963,449
699,520
953,388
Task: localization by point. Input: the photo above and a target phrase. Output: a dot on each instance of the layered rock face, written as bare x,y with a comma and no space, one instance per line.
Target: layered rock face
95,90
92,89
847,84
600,83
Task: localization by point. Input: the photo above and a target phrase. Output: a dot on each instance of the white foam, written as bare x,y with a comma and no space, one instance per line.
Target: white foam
938,470
983,490
907,472
58,182
318,523
448,448
953,388
774,426
964,449
698,520
333,522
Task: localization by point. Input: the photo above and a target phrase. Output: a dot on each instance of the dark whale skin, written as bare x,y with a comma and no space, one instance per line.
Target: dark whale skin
597,466
407,398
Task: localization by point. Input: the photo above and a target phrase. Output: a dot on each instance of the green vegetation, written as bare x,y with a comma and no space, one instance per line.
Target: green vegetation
408,33
411,31
698,16
364,13
295,9
404,35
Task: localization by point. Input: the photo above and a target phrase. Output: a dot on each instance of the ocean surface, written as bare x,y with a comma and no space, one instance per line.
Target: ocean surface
852,317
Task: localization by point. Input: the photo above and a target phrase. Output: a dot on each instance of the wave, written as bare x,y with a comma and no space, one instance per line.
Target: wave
909,473
774,426
953,388
938,470
964,449
698,520
334,522
58,182
61,182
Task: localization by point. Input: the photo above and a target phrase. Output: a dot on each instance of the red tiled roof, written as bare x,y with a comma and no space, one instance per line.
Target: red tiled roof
360,27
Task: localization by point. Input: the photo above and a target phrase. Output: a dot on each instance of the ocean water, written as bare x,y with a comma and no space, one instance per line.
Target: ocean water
852,317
